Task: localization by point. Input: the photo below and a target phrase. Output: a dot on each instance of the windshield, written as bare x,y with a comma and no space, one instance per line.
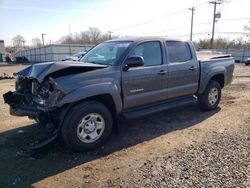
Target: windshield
107,53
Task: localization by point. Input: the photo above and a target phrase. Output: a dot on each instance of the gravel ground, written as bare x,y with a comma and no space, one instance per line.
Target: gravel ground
223,161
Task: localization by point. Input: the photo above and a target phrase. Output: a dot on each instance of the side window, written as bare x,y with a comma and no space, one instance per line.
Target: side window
178,51
151,53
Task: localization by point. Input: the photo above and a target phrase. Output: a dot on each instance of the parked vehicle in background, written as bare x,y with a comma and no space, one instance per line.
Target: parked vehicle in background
119,79
75,57
247,61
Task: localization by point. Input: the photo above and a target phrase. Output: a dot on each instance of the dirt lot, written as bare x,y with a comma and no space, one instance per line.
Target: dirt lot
184,147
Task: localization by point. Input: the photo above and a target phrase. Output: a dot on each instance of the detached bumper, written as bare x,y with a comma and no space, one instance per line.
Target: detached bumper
23,111
18,106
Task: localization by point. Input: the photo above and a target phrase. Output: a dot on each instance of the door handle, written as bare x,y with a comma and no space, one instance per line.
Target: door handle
162,72
192,68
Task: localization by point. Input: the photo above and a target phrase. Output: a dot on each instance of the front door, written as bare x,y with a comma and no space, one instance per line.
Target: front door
147,84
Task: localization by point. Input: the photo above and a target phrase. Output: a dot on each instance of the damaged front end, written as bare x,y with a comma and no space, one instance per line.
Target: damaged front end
38,95
37,101
31,98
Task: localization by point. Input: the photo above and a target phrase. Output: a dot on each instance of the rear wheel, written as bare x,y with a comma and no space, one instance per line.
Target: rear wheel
210,99
87,126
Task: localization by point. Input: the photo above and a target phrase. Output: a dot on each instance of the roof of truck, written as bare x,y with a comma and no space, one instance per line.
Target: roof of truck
137,39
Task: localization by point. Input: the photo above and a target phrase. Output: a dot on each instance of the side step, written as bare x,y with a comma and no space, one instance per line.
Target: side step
143,111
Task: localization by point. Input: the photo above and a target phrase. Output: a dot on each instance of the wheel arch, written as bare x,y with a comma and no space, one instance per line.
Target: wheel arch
219,76
105,99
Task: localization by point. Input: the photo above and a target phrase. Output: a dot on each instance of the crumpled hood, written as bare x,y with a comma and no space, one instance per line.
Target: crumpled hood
41,70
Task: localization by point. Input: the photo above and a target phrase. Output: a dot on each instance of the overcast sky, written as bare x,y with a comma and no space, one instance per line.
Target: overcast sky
31,18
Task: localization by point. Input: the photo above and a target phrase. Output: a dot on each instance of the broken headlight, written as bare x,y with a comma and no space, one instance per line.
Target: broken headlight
48,94
46,90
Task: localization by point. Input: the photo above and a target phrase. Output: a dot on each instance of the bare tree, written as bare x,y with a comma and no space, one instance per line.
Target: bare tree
36,42
92,36
84,36
18,41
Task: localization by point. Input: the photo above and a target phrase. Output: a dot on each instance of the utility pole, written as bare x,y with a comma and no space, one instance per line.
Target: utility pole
215,3
23,41
43,37
110,32
192,22
69,30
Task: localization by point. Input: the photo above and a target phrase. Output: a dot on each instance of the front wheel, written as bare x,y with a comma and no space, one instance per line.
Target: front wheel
210,99
87,126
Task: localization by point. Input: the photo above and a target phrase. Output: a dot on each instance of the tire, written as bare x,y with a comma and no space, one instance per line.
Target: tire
82,130
210,103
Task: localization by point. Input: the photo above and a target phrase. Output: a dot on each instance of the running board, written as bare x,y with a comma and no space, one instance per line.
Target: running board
143,111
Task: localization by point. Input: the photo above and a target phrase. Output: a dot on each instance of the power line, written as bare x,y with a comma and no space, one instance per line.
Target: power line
207,33
196,25
154,20
148,21
234,19
233,32
205,5
194,34
178,28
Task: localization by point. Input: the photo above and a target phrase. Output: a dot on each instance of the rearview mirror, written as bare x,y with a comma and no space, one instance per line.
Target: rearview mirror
134,61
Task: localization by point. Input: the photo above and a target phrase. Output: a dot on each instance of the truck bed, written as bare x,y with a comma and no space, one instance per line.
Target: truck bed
205,57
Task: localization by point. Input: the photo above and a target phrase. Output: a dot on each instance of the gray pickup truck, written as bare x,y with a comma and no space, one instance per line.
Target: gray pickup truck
119,79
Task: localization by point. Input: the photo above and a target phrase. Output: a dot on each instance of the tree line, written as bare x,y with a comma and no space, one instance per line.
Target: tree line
222,43
94,36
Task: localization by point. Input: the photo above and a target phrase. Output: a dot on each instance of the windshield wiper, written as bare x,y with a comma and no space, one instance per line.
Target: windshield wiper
95,62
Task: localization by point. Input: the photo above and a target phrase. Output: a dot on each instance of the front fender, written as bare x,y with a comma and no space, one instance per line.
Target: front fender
94,90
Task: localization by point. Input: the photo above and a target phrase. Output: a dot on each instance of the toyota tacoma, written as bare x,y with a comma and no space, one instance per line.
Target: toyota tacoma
118,79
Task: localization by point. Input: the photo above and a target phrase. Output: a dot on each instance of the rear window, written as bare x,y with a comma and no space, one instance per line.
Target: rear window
178,51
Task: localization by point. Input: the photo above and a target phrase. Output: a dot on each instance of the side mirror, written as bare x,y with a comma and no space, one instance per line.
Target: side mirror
134,61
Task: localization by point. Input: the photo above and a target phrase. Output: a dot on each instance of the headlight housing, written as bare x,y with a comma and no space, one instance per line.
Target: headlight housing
48,94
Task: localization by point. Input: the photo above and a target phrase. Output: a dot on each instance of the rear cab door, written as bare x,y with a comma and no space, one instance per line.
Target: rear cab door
146,84
183,69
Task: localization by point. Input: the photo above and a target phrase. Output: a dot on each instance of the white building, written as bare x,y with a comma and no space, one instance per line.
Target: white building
53,52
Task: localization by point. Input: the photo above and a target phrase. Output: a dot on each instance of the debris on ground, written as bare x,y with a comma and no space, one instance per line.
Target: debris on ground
6,76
